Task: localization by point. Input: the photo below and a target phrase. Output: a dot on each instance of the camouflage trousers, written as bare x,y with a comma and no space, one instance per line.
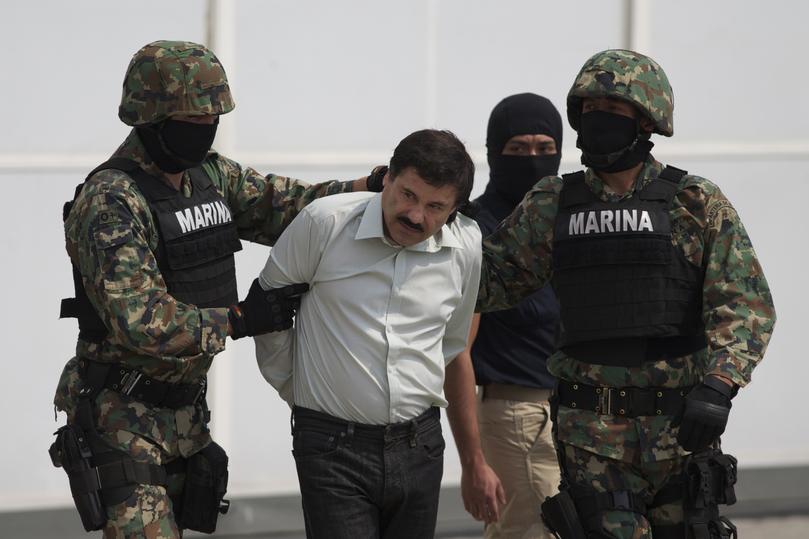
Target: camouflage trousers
147,513
645,479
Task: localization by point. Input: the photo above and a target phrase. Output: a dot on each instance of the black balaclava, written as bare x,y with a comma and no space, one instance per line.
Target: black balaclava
175,145
511,176
611,142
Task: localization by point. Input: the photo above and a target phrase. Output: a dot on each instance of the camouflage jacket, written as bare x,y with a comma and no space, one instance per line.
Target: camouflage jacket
737,307
111,237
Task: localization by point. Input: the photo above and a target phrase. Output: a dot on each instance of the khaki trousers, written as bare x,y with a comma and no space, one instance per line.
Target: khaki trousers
515,431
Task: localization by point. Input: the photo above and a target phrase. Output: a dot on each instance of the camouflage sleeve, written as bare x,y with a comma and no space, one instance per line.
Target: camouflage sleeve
263,206
517,255
737,305
110,236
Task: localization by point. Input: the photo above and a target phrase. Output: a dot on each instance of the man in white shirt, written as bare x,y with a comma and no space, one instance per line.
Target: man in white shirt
392,293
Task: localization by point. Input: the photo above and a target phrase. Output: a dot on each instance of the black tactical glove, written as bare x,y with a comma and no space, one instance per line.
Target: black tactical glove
264,311
705,414
374,181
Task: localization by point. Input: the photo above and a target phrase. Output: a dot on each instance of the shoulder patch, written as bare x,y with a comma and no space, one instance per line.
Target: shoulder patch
716,207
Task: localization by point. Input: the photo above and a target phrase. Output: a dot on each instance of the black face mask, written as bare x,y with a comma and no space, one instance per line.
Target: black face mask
511,176
611,142
514,175
175,145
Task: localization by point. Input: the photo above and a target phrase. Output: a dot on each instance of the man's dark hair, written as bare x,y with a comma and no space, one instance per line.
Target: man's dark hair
439,158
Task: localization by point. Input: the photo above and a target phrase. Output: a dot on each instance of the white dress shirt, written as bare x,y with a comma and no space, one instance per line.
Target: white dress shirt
380,321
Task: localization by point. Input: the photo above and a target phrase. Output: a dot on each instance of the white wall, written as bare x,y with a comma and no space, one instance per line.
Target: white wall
325,90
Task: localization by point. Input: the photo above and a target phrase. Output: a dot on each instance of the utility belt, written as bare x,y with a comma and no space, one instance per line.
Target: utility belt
138,386
101,476
707,481
623,401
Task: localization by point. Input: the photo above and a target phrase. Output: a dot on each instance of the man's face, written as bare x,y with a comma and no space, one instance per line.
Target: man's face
530,145
412,209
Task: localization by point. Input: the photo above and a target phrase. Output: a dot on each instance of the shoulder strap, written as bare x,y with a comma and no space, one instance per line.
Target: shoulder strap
665,186
117,163
574,190
199,178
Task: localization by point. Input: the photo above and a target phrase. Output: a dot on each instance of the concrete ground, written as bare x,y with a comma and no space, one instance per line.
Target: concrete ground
773,504
64,525
774,528
790,527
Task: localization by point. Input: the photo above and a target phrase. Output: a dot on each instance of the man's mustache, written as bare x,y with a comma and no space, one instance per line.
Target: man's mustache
410,224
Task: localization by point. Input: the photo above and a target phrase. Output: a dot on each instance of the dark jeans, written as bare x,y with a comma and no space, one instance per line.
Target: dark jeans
368,481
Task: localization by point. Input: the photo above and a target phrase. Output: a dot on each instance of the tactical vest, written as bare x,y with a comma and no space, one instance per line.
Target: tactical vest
627,294
197,239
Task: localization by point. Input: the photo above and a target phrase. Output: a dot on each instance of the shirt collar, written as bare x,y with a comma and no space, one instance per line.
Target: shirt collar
371,227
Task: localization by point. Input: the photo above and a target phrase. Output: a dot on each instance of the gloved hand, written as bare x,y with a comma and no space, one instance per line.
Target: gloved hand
264,311
374,181
705,414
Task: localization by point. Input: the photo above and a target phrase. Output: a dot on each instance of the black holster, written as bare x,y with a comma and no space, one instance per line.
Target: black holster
709,482
560,516
71,451
576,512
100,476
198,506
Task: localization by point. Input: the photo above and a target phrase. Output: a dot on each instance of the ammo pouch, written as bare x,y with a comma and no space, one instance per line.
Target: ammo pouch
202,499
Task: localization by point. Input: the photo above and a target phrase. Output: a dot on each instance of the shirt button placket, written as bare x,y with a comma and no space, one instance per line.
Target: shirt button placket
393,338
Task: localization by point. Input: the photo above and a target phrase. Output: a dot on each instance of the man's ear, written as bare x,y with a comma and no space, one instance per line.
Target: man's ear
386,179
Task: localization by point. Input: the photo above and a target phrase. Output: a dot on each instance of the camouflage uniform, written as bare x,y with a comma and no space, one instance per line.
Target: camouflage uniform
639,454
112,238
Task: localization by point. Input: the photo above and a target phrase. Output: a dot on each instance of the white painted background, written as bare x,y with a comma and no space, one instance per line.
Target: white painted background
325,90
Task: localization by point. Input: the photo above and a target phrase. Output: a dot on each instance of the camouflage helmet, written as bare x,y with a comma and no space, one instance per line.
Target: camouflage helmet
625,75
171,78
